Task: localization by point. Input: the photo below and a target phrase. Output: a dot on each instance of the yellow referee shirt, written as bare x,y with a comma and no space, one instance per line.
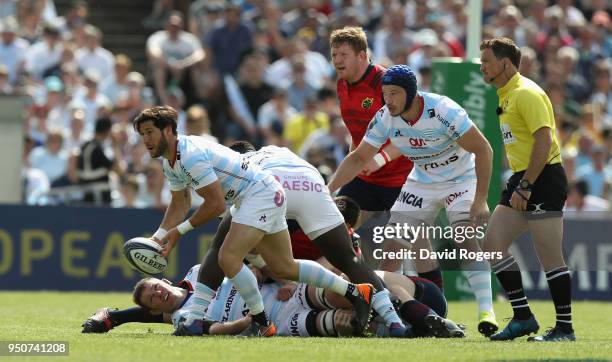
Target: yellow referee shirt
525,109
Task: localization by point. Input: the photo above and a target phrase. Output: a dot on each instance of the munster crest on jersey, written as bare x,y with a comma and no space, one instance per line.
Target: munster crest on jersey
366,103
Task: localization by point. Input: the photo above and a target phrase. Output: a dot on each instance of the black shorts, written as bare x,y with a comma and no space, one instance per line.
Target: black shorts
548,193
370,197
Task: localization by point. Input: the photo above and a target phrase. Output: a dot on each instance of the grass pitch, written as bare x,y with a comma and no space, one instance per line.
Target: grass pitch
54,316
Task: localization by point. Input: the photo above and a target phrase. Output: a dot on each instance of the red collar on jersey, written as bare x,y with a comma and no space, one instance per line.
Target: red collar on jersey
175,154
421,107
185,284
365,74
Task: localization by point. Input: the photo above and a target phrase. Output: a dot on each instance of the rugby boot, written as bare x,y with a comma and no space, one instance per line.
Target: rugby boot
363,308
517,328
554,335
487,325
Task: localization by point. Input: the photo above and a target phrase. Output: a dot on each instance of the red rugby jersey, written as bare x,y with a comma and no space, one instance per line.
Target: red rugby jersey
304,248
359,102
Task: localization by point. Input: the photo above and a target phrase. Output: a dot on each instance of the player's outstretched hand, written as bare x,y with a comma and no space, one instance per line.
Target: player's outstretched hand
99,322
286,291
169,242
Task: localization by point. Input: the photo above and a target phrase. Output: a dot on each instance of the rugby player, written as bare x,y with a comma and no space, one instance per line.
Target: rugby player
222,176
359,90
453,168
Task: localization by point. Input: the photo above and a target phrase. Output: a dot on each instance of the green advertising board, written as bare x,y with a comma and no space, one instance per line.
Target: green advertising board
462,82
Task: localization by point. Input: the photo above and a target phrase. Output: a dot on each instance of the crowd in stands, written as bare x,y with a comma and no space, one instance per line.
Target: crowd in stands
260,70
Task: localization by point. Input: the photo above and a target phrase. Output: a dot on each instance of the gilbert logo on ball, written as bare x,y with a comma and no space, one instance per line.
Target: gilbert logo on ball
144,255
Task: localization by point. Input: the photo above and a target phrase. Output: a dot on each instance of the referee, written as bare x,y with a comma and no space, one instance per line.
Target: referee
533,197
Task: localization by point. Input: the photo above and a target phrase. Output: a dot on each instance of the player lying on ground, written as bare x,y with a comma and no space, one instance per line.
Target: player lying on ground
306,311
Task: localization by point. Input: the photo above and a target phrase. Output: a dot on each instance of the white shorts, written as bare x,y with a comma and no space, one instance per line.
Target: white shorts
291,319
308,200
263,207
419,201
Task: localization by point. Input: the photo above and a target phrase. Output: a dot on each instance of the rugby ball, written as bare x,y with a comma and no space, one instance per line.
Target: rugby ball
144,255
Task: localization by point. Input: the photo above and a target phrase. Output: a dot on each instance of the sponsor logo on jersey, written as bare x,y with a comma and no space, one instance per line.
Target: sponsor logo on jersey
189,177
367,102
433,155
431,112
263,218
437,164
507,135
230,194
410,199
228,305
303,185
454,196
416,142
293,325
443,120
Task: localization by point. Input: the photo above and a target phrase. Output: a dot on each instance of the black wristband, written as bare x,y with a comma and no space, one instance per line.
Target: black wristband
518,191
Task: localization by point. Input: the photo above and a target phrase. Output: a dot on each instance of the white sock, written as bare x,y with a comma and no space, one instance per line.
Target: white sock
201,298
246,284
383,306
478,274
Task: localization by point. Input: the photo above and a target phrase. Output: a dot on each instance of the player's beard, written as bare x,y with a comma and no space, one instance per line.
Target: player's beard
161,148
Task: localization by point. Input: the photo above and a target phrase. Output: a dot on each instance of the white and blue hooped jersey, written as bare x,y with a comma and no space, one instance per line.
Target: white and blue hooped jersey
430,142
228,305
200,163
274,157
